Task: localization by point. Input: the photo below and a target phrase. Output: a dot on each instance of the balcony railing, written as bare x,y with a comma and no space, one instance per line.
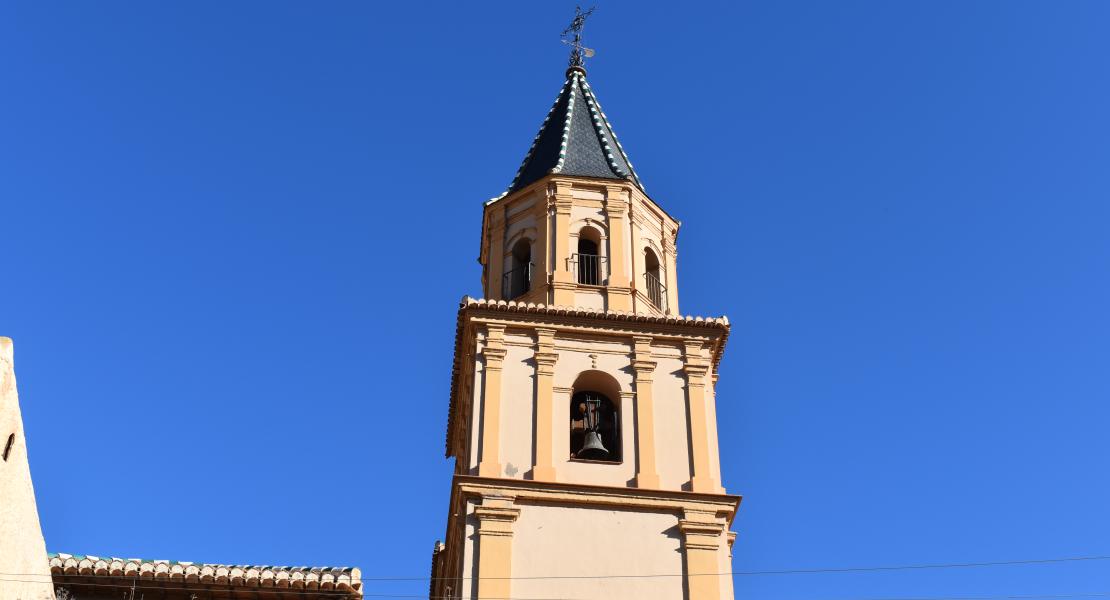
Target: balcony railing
516,282
656,291
590,268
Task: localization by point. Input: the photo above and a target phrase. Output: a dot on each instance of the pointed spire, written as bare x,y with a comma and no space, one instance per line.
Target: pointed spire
575,139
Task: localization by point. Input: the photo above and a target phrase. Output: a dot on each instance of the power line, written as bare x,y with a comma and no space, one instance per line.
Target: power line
1101,594
137,586
796,571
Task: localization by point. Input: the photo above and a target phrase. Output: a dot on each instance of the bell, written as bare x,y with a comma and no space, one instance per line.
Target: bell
593,449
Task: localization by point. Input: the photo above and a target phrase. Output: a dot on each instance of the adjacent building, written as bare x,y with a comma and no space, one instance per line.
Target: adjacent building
27,572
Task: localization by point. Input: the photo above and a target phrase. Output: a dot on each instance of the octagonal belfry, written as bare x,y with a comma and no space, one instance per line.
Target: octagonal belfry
575,227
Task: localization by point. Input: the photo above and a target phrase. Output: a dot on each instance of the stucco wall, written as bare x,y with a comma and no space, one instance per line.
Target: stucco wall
576,541
518,395
22,549
611,356
671,431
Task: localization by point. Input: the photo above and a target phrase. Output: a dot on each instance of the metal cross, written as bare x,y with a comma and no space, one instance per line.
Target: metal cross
578,52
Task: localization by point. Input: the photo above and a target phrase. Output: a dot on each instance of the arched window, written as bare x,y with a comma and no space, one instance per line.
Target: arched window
519,278
588,259
595,423
653,281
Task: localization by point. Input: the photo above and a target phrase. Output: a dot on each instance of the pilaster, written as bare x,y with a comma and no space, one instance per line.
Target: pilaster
541,261
493,353
563,280
496,516
701,538
696,368
637,255
545,358
496,253
647,474
670,261
616,211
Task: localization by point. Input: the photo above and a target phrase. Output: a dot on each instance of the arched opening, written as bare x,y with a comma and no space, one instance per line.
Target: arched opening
588,256
519,278
653,280
8,446
595,425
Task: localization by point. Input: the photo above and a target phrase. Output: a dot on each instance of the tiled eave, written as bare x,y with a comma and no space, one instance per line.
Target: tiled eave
304,579
612,318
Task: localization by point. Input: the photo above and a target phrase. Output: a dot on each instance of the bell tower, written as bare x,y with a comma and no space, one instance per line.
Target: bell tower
582,413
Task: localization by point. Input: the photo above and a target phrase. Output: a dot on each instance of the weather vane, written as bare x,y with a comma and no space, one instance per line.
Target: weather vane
578,52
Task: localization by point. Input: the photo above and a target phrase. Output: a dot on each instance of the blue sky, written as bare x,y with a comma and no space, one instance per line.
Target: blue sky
234,236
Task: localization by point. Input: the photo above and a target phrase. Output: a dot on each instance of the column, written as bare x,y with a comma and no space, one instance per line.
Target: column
696,368
496,253
647,474
670,263
636,277
616,209
495,516
701,540
494,355
541,267
545,357
565,281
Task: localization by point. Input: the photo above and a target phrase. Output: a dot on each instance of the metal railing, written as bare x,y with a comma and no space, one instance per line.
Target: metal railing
516,282
589,268
656,291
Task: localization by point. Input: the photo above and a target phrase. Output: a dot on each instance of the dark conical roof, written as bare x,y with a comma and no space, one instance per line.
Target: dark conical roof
575,139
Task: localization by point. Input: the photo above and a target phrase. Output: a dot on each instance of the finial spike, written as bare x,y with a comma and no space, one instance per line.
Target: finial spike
578,52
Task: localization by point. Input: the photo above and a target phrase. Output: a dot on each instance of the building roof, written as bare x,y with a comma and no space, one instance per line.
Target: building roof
334,579
575,139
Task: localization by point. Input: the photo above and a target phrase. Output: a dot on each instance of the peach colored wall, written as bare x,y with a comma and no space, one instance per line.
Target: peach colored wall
576,541
467,586
517,403
590,298
575,358
671,431
476,411
612,356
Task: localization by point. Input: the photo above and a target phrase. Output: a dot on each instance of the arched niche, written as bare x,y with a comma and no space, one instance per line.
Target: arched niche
595,429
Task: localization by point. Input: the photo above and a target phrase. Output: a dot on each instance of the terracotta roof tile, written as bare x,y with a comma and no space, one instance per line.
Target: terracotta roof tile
338,579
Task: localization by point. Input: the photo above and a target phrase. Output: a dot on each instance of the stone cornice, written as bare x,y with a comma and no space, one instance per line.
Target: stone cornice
721,505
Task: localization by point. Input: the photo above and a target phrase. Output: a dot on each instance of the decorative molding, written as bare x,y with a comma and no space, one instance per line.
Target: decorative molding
522,491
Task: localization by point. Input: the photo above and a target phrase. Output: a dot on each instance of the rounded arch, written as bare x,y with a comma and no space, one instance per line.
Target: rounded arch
527,232
654,278
600,231
590,256
518,269
595,418
599,381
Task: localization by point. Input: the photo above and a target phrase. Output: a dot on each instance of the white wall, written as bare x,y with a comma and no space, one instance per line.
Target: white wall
22,550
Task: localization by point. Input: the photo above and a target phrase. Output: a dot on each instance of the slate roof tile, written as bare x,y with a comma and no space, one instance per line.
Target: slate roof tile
575,139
